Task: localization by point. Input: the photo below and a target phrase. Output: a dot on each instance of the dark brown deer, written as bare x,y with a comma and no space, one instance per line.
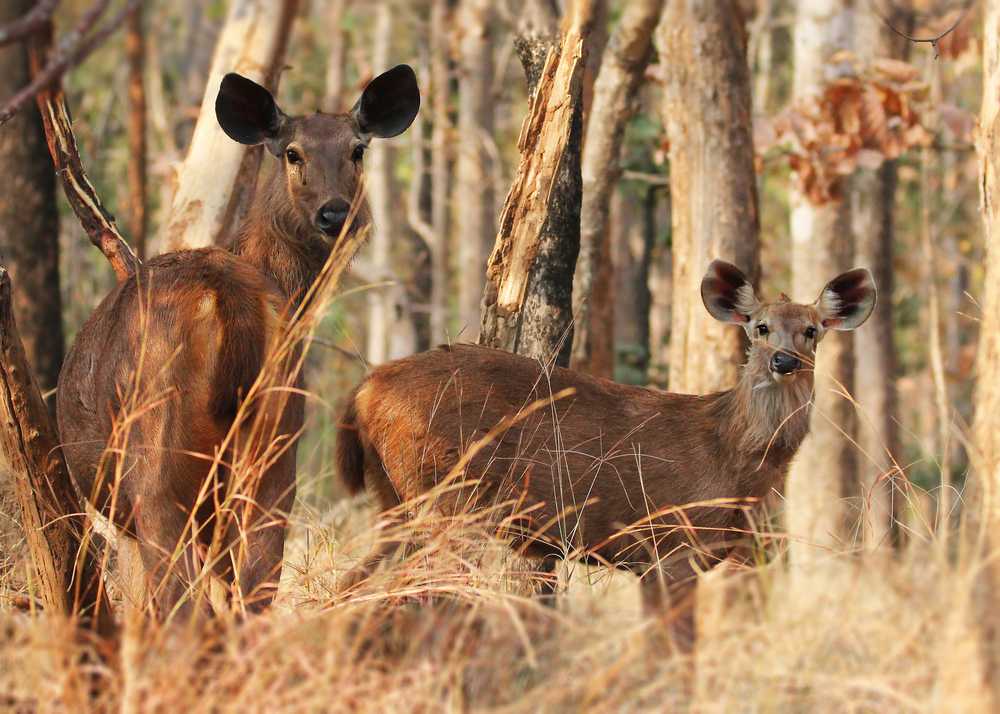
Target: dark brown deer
190,332
608,473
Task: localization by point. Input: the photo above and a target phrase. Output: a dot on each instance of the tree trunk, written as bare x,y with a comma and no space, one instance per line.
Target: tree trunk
378,185
135,49
29,219
527,304
476,227
614,103
986,424
707,112
67,576
821,248
217,170
333,97
872,197
440,169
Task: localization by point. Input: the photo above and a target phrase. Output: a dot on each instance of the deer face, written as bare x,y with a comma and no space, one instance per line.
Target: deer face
321,154
784,335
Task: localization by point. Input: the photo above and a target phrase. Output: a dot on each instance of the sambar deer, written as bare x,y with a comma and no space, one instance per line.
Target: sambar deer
192,329
606,473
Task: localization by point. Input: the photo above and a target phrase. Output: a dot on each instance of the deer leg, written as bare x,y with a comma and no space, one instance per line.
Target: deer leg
548,581
170,557
668,592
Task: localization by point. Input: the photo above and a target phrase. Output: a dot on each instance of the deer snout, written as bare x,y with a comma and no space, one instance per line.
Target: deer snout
784,363
332,215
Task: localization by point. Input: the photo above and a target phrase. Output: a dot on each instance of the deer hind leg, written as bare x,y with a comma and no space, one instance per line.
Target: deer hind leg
668,592
170,557
388,541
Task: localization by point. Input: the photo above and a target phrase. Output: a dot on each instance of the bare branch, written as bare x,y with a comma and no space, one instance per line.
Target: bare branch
32,21
96,220
933,41
72,50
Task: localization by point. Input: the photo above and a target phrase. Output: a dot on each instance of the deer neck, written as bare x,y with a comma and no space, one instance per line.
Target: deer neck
276,240
763,418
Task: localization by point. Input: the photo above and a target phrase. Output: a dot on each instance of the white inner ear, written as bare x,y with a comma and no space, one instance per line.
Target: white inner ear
746,301
829,304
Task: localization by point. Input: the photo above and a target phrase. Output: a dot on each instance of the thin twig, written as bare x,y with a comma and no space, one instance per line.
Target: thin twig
29,23
932,41
69,54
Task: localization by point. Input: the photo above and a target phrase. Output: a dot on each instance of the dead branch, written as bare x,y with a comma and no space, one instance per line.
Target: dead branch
32,21
71,50
932,41
68,578
96,220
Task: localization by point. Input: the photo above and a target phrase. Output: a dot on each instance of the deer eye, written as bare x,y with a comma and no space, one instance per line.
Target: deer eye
293,157
762,329
358,153
810,332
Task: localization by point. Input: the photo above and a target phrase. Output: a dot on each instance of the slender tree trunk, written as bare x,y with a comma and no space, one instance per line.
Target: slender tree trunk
527,304
440,169
986,424
821,248
217,176
378,183
135,49
333,98
707,112
872,197
476,226
614,103
29,219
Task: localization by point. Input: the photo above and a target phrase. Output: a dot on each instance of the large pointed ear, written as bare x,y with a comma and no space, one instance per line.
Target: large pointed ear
847,300
727,294
248,113
389,103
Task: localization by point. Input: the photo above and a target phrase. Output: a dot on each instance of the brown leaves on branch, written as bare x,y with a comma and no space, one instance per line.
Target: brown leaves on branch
864,116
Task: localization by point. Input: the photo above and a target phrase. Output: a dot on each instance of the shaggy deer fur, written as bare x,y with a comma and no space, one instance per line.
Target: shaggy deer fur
645,480
170,353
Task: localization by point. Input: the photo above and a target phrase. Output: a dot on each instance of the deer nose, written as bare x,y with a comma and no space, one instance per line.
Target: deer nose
784,363
332,215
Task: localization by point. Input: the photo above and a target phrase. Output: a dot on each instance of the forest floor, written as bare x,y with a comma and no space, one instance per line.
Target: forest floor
452,628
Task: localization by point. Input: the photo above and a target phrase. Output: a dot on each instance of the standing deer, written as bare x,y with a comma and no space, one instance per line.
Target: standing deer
604,474
191,331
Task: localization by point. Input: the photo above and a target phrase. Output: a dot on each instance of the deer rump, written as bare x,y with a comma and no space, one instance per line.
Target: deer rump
150,390
593,475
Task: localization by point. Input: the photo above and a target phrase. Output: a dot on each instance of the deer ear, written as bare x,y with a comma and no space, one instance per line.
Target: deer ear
727,294
389,103
248,113
847,300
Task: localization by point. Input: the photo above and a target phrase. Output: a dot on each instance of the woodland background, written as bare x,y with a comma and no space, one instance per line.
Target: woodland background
796,139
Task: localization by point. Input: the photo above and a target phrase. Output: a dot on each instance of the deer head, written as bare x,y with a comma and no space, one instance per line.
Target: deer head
784,335
321,154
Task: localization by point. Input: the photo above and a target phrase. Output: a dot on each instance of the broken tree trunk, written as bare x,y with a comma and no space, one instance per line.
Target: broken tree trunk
252,43
68,576
527,303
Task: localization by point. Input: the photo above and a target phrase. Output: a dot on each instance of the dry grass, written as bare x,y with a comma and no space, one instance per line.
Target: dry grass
451,627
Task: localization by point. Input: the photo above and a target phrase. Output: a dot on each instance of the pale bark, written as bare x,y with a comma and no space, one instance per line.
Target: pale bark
614,103
440,170
872,197
707,112
821,249
252,43
475,223
527,303
378,184
986,424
